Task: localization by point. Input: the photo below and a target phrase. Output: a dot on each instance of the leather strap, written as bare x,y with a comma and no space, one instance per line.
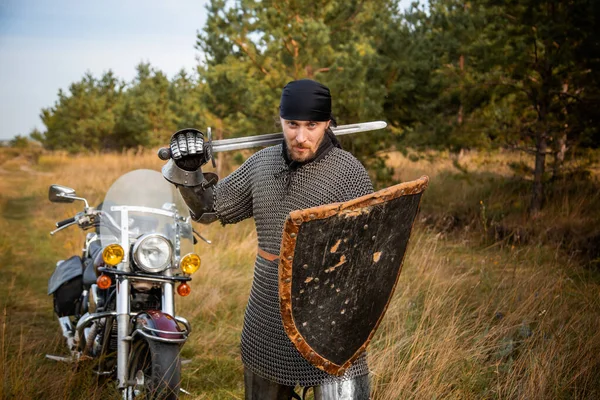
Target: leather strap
267,256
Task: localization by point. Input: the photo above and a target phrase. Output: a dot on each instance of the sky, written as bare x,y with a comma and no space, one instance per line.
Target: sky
47,45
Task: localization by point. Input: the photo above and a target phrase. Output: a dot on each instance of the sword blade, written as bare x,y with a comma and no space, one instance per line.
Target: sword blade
269,139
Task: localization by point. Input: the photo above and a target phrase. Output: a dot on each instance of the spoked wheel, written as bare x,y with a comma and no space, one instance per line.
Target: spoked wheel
156,368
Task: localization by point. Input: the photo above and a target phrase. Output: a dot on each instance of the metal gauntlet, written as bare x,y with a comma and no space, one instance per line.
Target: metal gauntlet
186,156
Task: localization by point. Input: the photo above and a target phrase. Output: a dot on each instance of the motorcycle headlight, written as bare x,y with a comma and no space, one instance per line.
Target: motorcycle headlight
153,253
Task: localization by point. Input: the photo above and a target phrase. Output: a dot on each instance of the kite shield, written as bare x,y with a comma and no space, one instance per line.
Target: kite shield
339,264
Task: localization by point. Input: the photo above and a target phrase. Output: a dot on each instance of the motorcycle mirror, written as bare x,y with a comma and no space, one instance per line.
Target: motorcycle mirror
61,194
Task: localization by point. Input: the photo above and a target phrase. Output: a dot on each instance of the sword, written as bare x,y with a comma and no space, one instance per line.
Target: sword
268,139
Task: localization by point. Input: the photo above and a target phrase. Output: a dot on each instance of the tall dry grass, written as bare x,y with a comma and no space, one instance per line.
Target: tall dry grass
470,319
487,324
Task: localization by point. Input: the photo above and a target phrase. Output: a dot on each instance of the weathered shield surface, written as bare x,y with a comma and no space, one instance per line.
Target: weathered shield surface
339,265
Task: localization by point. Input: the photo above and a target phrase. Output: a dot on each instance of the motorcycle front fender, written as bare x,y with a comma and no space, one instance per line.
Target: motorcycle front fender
159,326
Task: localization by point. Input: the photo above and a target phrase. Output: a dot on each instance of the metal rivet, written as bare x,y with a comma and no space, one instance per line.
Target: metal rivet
312,353
305,266
326,364
304,323
332,322
298,221
373,238
366,226
288,280
293,235
184,181
290,258
299,339
316,279
186,174
311,216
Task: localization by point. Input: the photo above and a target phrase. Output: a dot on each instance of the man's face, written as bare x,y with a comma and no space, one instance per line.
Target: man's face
303,137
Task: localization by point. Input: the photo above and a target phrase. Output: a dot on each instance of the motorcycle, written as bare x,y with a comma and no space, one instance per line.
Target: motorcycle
115,302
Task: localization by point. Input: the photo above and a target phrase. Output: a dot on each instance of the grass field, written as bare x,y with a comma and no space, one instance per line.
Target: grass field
482,310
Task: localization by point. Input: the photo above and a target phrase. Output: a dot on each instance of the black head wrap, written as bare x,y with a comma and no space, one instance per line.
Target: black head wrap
308,100
305,100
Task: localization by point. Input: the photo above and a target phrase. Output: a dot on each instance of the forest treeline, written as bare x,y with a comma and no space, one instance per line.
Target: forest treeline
519,74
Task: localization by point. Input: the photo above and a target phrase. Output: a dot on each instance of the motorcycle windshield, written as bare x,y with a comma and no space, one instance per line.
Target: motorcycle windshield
143,202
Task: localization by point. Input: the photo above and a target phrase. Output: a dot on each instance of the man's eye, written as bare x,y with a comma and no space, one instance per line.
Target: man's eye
312,124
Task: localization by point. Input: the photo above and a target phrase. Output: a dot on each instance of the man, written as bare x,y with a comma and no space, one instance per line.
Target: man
308,169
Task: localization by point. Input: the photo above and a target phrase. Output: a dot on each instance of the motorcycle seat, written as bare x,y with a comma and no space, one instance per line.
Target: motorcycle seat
64,272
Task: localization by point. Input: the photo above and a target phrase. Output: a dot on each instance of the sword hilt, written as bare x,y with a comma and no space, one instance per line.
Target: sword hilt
164,153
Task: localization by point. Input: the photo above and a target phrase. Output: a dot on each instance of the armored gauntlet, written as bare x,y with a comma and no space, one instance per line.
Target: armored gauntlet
184,170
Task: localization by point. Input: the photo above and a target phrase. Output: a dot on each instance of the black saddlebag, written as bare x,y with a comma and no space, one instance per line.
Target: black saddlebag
66,285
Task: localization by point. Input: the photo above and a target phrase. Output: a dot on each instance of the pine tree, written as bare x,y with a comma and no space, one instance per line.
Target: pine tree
540,55
145,118
185,101
83,119
517,74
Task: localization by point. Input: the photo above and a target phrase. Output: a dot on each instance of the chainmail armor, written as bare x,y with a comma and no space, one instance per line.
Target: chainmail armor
264,187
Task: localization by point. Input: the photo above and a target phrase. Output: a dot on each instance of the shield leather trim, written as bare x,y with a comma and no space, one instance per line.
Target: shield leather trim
288,246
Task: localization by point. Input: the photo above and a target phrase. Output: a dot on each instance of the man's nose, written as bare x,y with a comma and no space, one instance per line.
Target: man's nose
301,136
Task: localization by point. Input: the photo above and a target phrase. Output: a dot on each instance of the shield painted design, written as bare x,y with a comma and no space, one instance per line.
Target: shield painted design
339,265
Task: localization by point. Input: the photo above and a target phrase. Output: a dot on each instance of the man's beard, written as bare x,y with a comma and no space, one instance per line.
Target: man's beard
304,156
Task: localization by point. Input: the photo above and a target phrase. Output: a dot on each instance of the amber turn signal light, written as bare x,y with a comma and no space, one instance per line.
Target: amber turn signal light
184,289
104,281
190,263
113,254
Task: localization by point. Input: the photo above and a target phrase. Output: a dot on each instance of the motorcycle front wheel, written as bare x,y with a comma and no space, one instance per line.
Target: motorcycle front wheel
156,367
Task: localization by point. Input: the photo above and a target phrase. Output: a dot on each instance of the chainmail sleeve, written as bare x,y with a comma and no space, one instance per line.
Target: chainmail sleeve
233,195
